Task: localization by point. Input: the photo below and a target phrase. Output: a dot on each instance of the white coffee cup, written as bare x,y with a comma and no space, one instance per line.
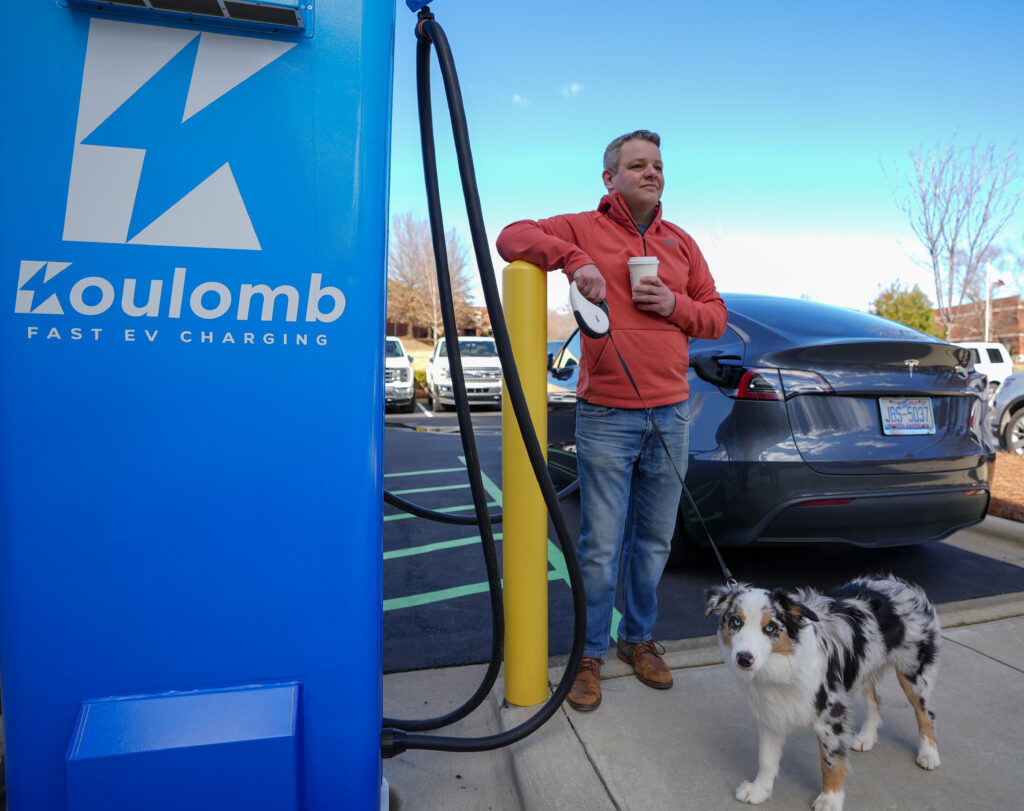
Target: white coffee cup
640,266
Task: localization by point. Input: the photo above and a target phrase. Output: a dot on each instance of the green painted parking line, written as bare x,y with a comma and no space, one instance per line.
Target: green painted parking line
443,594
556,559
434,547
425,472
492,489
434,596
430,489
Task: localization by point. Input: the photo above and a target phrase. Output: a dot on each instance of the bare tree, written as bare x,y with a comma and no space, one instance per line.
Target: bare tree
958,201
412,275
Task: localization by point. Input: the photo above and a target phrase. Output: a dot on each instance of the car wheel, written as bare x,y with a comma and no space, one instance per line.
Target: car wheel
684,550
1013,435
410,406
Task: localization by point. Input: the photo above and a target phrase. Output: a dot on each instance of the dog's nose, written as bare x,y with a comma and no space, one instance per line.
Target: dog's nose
744,659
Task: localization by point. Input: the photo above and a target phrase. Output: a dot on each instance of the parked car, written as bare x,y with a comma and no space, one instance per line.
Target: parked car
810,422
480,366
399,382
991,360
1006,416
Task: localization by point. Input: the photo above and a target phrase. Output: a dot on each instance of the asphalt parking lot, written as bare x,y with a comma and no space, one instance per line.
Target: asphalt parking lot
436,609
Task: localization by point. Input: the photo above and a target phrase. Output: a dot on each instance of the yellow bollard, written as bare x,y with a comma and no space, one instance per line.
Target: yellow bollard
525,523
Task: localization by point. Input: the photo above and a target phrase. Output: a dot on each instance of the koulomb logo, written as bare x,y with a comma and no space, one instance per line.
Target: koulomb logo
147,167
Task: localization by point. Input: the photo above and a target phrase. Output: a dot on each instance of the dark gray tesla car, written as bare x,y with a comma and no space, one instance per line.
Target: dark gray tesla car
810,422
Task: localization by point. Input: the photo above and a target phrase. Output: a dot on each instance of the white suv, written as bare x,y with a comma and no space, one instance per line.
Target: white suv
480,366
399,383
991,360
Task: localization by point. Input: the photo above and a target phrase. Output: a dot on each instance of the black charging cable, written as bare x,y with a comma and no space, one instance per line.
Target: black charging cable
454,518
394,741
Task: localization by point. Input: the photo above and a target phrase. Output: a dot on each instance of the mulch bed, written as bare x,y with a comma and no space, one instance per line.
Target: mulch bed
1007,484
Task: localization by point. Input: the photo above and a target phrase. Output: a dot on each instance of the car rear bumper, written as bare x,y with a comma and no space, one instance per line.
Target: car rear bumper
880,520
897,510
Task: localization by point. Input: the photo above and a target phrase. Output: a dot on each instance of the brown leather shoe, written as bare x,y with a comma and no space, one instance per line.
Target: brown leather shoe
586,690
647,663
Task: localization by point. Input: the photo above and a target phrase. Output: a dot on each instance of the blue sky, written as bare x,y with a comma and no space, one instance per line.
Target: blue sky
776,121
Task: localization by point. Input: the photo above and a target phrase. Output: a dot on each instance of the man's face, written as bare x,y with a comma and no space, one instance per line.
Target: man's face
638,179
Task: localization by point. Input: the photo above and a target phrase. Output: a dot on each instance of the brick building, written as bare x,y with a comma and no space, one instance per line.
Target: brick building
1006,326
477,318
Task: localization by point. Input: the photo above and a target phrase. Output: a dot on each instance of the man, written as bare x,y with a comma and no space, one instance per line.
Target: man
629,493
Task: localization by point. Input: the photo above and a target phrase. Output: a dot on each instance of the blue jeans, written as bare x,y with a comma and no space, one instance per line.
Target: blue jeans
629,499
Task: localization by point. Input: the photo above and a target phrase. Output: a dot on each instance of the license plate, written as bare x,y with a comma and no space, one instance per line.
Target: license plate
907,415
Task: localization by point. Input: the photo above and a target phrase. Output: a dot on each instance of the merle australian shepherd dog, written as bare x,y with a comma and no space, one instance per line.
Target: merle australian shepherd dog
803,656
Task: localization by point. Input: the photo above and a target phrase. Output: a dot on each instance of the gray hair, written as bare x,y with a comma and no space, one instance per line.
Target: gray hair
611,154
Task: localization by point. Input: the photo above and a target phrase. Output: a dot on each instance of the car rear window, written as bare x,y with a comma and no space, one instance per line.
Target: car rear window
813,319
995,356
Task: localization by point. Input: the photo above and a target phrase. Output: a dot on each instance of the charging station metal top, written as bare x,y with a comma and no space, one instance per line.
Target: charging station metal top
284,17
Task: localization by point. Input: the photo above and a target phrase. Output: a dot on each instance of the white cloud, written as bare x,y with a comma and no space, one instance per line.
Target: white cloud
519,101
570,90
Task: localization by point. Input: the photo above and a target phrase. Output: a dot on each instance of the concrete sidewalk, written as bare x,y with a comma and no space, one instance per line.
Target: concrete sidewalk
689,747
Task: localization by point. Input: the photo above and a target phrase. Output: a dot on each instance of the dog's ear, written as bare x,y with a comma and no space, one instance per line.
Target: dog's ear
795,611
716,599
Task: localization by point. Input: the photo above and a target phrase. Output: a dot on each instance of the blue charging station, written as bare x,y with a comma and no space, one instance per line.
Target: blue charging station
193,204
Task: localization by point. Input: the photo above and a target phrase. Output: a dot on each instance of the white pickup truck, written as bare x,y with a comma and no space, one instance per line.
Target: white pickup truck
398,377
480,366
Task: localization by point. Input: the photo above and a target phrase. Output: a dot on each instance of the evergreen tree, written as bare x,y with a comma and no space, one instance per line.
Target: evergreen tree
911,308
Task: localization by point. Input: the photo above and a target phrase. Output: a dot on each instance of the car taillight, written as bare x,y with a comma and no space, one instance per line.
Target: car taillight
778,384
759,384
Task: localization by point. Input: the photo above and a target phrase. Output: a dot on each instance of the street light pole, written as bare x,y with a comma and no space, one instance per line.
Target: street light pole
989,287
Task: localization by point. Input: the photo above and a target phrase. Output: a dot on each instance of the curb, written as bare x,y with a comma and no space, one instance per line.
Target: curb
1002,528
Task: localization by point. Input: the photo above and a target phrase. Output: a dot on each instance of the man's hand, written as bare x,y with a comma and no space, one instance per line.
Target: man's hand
651,296
590,283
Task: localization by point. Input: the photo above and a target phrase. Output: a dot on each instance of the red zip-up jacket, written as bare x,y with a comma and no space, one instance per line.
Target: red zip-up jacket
655,348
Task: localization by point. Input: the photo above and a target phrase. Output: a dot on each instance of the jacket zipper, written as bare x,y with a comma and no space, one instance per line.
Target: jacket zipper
643,234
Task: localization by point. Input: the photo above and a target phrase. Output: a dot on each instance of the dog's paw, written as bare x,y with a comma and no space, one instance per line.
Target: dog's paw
928,755
829,801
864,741
752,793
